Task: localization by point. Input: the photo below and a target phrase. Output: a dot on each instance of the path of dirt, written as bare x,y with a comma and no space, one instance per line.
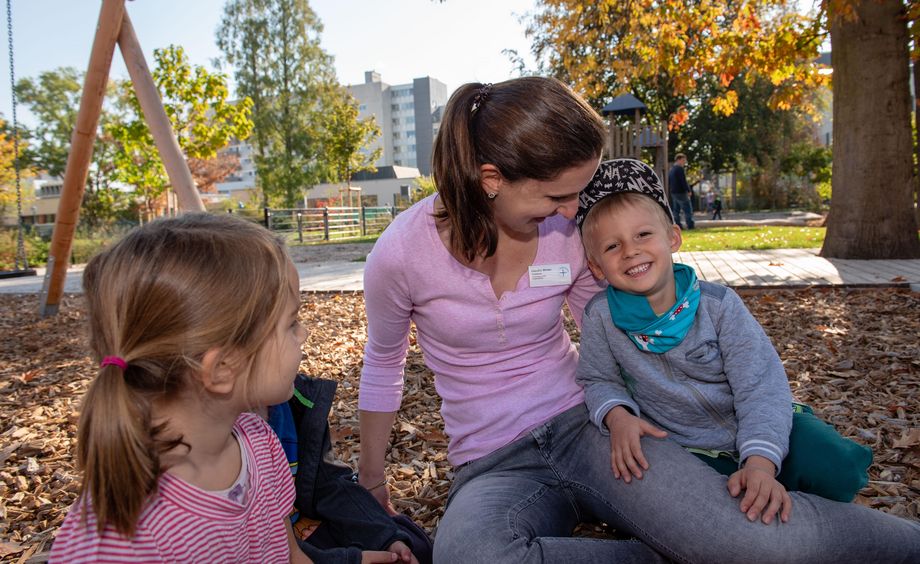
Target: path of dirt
333,252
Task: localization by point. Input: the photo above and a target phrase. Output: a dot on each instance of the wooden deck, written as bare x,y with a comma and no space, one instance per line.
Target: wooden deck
798,268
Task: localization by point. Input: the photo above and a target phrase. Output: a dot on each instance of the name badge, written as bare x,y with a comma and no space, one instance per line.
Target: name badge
550,275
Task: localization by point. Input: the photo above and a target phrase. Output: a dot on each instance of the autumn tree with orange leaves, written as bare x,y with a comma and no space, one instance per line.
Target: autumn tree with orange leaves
669,52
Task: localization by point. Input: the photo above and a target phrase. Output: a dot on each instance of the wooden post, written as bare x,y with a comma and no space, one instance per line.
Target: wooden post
149,97
81,153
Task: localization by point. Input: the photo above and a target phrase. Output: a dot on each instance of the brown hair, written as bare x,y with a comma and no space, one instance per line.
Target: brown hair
531,127
159,299
615,202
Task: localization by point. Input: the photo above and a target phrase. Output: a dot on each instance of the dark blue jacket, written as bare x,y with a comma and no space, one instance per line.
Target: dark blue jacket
352,520
677,180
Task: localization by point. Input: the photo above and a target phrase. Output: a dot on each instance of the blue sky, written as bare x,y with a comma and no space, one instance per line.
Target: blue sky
456,41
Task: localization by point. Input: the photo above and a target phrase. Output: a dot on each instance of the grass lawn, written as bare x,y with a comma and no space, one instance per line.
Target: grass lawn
752,238
707,238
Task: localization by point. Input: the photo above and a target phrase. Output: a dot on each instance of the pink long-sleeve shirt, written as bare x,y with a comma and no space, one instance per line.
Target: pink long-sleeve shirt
502,365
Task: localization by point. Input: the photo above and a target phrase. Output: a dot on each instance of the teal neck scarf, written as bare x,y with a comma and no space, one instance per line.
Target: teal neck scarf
652,333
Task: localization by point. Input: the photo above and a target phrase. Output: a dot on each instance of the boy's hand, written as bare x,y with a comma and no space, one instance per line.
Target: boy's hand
763,494
403,552
375,556
626,458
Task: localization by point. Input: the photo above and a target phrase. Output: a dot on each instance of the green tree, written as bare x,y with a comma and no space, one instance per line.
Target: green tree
756,135
346,139
426,187
8,171
54,98
201,116
274,49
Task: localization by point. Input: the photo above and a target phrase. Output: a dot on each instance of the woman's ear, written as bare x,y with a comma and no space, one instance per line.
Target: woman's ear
491,179
219,371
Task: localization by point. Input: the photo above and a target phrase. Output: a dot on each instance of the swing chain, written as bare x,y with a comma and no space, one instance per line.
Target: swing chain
20,245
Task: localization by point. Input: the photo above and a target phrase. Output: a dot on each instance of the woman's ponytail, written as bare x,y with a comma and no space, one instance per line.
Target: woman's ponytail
456,169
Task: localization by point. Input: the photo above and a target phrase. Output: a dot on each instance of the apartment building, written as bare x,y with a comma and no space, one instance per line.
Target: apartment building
408,115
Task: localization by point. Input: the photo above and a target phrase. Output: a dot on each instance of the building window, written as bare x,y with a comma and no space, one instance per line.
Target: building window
362,107
410,120
397,135
407,106
396,121
395,107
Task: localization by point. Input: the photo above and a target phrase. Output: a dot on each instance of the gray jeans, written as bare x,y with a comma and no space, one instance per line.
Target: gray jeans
521,503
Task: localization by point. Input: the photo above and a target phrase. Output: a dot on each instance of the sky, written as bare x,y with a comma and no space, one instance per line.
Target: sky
455,41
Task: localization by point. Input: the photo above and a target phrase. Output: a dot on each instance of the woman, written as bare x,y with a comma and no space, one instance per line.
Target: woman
483,269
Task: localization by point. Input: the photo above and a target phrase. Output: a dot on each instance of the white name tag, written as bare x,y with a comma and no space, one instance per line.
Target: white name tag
550,275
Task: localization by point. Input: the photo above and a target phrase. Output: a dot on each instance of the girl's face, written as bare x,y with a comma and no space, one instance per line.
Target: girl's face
279,360
519,207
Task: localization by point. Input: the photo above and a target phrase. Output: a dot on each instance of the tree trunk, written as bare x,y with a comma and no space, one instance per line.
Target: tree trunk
872,212
915,72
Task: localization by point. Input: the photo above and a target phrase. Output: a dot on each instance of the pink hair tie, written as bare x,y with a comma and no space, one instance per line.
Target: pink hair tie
114,361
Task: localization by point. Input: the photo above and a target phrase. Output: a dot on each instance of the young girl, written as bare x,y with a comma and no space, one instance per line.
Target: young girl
194,322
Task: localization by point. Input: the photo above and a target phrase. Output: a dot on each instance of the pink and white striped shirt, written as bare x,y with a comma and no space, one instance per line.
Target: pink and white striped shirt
183,523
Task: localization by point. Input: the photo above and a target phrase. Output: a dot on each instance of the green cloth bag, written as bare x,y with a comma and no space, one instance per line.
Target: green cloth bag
820,460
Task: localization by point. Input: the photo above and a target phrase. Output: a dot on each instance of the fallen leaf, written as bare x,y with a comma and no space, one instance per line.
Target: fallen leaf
910,438
8,548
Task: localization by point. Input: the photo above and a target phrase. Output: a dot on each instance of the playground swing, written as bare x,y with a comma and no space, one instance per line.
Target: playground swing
21,261
114,27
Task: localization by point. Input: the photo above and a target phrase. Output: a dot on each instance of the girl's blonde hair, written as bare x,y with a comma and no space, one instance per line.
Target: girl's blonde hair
529,128
159,299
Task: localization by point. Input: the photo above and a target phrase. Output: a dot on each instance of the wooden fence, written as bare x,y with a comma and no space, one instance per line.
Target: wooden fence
305,225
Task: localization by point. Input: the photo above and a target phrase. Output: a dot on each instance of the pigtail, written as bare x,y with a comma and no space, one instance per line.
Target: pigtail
456,165
116,451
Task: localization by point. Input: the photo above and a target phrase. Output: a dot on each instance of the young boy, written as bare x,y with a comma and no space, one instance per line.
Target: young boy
663,354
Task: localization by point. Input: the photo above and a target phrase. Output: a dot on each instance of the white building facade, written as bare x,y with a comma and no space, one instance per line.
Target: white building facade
408,116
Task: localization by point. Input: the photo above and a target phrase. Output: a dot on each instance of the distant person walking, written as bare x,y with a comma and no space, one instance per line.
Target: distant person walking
717,207
680,191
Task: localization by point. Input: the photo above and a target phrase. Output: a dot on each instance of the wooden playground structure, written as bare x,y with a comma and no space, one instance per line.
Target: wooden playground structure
114,27
630,140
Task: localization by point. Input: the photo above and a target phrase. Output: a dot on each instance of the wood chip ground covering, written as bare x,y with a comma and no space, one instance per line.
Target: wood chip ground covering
852,355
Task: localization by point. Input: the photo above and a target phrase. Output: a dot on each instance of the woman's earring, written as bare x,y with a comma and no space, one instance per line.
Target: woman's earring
492,195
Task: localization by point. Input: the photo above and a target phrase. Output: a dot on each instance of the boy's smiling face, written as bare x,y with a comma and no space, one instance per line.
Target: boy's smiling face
629,244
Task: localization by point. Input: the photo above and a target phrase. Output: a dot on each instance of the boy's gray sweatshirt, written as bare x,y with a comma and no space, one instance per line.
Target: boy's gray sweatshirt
722,388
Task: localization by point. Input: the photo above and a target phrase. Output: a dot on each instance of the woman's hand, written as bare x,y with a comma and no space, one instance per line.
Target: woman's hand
626,458
374,556
403,552
763,494
375,436
379,489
